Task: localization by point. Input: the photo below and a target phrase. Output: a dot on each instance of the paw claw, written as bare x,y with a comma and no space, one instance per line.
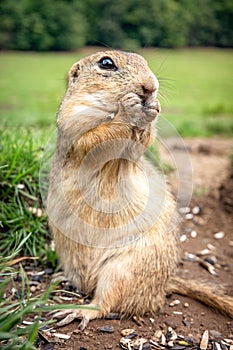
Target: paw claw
60,314
66,316
82,325
69,315
68,319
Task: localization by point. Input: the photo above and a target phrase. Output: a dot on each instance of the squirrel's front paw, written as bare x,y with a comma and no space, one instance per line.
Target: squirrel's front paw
138,112
151,109
131,106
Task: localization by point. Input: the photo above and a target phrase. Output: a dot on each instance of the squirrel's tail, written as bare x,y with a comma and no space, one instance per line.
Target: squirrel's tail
202,293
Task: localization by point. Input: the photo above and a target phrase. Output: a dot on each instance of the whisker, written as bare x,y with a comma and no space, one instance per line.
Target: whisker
167,88
105,45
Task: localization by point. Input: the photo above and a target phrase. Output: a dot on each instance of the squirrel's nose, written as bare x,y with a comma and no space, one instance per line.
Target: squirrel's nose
147,92
150,86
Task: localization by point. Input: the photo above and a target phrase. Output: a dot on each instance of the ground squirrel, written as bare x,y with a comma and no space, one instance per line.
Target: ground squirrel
111,214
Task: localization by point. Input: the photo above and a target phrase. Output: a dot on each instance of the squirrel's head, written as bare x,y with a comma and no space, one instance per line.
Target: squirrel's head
105,77
98,83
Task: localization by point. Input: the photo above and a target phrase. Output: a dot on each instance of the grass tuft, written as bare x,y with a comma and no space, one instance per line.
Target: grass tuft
21,210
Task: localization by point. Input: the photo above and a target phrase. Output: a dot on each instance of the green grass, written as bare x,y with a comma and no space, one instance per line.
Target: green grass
20,154
196,87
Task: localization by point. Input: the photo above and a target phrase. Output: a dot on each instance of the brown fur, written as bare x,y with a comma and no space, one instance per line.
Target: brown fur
110,212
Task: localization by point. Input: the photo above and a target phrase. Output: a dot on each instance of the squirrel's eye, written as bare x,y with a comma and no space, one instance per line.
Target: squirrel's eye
107,63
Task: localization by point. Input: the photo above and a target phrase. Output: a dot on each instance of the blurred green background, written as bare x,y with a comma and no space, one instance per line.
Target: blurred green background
188,45
195,87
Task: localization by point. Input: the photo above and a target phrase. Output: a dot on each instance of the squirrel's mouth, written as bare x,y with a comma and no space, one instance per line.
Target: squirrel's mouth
147,98
143,99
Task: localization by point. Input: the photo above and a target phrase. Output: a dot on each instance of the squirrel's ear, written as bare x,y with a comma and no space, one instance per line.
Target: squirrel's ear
73,73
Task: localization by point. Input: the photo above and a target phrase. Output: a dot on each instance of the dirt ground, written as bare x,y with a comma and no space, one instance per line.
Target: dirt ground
208,214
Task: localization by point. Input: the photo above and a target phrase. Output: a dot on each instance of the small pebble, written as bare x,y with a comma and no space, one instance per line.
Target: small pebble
21,186
184,210
65,298
196,210
189,216
27,323
39,212
186,323
33,289
106,329
211,246
186,305
175,302
183,238
205,251
190,257
219,235
36,211
61,336
193,234
177,313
